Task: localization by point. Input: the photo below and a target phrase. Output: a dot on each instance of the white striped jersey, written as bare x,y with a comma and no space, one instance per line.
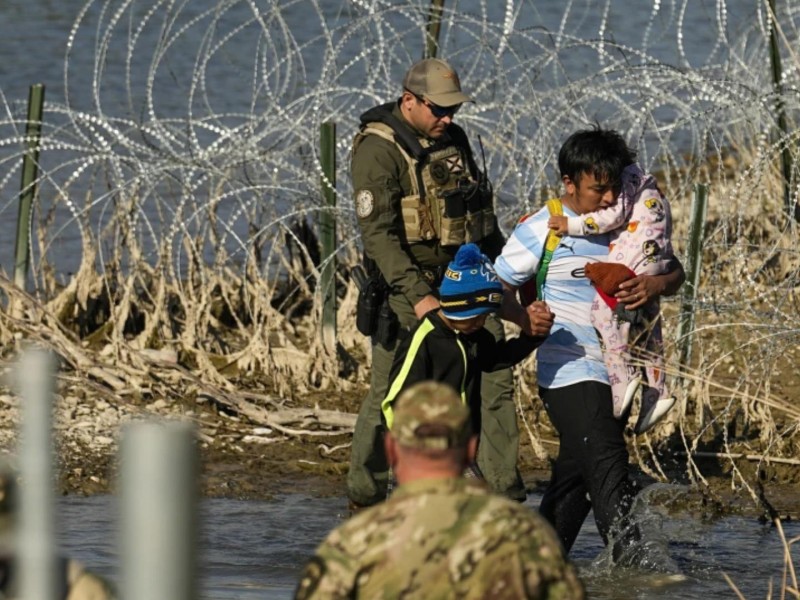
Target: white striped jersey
571,354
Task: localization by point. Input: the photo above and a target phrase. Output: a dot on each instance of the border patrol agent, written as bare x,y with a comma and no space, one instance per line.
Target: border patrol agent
439,535
419,195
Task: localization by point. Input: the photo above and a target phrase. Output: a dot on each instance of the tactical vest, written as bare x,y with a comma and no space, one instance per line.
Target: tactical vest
446,201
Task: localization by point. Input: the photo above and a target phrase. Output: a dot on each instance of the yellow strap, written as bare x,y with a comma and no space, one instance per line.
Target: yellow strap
550,244
556,210
397,385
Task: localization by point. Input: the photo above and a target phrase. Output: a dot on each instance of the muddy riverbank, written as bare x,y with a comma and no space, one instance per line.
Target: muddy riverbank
243,460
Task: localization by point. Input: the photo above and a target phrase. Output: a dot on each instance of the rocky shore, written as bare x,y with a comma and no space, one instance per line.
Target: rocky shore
247,460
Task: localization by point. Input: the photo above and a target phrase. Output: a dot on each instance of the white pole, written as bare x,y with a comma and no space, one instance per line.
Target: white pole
36,533
158,502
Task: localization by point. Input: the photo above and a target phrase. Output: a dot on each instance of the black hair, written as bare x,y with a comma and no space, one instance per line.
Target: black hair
601,152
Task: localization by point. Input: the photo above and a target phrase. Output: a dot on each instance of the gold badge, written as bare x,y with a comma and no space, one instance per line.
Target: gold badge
365,204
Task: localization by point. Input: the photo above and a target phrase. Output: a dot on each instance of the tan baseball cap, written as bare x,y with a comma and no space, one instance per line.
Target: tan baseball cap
436,81
431,415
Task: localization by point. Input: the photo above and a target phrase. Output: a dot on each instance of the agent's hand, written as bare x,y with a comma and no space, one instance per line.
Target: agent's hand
540,319
558,224
426,305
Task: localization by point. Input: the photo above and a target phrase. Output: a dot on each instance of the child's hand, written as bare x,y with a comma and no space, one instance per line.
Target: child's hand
558,224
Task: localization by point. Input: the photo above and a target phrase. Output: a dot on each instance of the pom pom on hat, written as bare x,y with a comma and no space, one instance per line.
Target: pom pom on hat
470,286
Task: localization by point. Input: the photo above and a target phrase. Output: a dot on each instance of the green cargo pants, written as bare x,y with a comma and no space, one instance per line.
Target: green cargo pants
499,440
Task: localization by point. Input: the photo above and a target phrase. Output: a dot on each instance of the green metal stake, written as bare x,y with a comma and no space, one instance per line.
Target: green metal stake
328,234
30,168
434,26
780,110
693,261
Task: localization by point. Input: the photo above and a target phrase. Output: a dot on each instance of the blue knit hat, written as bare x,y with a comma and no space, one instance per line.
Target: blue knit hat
470,286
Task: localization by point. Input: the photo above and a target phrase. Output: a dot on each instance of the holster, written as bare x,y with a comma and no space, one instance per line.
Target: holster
374,316
369,300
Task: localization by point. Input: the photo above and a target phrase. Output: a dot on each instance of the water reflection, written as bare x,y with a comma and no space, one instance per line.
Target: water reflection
255,549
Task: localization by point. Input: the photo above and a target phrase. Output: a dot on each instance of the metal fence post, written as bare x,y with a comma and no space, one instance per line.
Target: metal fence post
37,517
158,526
30,168
693,262
328,234
780,111
433,28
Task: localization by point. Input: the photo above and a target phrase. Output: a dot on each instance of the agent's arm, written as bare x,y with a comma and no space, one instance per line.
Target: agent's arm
376,172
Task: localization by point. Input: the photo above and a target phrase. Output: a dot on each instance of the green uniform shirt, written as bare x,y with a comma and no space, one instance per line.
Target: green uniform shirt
442,538
379,169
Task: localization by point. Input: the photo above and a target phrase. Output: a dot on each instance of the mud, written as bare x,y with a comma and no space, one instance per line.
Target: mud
240,460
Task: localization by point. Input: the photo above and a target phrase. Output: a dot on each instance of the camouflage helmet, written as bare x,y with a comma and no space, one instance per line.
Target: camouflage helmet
431,415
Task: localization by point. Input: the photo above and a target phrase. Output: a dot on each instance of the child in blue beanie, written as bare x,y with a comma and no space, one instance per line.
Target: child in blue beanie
450,345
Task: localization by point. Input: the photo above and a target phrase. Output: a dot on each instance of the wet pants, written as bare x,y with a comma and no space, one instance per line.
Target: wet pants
591,470
367,478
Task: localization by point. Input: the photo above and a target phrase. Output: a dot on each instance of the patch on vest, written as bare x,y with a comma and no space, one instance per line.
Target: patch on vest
439,172
365,203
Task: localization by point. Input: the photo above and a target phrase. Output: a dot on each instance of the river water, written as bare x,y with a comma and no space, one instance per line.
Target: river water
255,550
193,62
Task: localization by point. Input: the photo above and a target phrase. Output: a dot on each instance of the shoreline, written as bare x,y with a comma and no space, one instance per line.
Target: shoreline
255,445
235,463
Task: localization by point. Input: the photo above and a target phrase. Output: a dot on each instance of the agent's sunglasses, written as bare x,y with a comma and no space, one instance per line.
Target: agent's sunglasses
440,112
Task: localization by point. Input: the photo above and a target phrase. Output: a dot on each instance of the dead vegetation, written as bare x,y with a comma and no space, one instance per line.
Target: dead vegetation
197,266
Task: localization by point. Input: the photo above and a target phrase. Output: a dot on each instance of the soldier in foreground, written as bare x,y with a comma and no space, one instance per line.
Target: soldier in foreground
439,535
75,583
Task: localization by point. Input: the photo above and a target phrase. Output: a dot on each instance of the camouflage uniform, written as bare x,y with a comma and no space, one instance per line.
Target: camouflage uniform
441,538
446,537
381,178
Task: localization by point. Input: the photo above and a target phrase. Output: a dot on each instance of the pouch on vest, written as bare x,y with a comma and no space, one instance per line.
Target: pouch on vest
452,213
474,223
411,209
